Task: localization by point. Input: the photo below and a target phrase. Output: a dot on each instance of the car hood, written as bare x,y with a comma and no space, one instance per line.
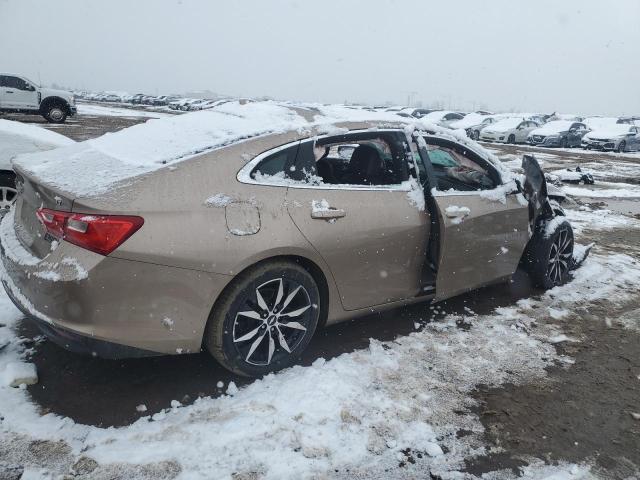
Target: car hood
51,92
553,128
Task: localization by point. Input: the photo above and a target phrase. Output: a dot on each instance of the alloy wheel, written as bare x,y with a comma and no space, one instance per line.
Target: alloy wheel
560,256
274,323
8,197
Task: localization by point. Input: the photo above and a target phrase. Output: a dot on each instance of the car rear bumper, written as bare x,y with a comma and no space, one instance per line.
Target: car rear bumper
109,306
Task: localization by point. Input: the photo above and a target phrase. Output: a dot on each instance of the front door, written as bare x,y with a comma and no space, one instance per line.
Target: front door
363,215
17,93
483,225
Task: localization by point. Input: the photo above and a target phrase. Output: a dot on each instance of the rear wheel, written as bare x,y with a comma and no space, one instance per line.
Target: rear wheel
265,319
549,255
511,139
56,113
8,192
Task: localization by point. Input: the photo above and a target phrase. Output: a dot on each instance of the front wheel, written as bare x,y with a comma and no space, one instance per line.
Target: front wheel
549,255
563,143
265,319
511,139
56,114
476,135
622,146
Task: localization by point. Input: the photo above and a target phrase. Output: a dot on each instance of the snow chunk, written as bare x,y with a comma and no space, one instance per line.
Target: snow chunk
457,213
318,206
141,408
232,389
15,374
218,200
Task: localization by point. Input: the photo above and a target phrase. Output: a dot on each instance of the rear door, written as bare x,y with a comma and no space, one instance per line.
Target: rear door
483,224
369,226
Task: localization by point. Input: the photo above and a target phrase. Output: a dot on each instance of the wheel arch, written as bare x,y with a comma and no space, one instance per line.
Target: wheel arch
53,100
309,265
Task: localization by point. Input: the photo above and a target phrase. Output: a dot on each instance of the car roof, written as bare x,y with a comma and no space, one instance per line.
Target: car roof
152,146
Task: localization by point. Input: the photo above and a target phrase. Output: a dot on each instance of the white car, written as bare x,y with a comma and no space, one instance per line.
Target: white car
619,137
17,138
442,117
473,123
509,130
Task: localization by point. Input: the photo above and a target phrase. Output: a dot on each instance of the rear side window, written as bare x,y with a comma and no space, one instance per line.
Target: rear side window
280,164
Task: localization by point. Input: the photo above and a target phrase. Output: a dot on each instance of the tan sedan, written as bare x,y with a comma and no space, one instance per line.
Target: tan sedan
247,248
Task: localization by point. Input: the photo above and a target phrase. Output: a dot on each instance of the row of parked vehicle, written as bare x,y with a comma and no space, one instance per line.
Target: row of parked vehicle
174,102
620,134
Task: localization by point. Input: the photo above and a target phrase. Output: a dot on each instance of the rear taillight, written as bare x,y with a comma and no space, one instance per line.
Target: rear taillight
99,233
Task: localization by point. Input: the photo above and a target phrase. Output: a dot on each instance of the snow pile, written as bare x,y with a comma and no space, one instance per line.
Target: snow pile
18,138
457,213
15,374
104,111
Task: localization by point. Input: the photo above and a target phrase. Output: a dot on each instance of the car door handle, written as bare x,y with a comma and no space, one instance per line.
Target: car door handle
458,214
328,213
8,91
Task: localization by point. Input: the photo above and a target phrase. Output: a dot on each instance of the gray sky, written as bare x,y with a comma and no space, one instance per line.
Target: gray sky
534,55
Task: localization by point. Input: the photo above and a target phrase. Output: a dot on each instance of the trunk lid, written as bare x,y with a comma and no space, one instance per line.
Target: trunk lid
33,195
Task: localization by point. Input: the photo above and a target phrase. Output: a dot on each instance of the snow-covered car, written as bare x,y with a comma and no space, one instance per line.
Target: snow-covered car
598,123
619,137
558,133
473,123
17,138
509,130
258,251
414,112
442,118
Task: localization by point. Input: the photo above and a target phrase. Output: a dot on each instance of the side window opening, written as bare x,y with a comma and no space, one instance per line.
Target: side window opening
280,165
360,160
456,170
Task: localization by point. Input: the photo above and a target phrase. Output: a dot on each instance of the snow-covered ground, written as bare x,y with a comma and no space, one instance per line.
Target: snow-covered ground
101,110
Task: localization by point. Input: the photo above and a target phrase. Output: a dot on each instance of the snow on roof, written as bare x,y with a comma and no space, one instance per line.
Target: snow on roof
17,138
607,131
600,122
436,116
95,166
556,126
469,120
506,124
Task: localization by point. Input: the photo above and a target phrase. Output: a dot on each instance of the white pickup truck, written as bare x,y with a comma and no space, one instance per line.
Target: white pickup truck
20,95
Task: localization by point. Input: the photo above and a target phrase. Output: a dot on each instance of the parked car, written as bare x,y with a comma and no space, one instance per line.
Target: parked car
509,130
442,118
472,124
258,253
619,137
597,123
18,94
17,138
558,133
414,112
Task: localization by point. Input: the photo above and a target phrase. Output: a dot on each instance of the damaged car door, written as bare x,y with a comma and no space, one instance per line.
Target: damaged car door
357,210
483,224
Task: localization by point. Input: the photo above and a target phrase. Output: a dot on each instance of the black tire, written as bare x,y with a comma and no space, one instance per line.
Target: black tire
262,350
511,139
476,135
549,255
621,146
8,192
56,113
563,143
